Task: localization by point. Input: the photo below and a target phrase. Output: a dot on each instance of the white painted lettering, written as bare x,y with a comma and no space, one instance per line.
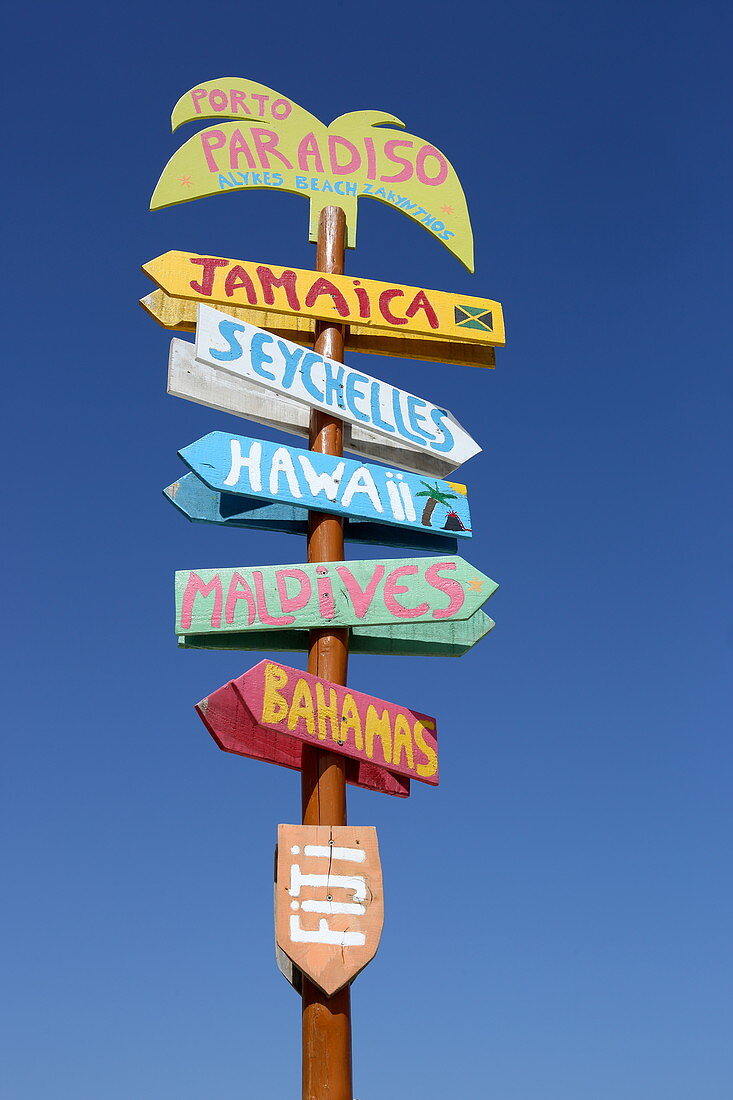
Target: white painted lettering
322,483
282,463
361,481
252,463
325,935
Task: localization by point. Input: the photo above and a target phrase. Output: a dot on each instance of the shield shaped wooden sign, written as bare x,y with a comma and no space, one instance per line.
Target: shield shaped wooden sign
329,900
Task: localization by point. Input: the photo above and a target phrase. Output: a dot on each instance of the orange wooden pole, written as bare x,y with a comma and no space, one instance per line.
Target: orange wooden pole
326,1020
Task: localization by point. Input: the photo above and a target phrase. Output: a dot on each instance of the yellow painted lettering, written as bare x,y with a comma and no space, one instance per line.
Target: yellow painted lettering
301,707
351,720
327,711
431,757
274,705
402,742
381,728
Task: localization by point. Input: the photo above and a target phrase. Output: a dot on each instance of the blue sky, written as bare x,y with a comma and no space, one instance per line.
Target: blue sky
559,909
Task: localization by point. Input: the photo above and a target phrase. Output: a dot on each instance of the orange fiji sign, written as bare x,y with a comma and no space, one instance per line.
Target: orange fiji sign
383,307
329,900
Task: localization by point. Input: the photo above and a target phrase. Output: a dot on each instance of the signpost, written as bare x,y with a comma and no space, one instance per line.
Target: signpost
319,383
231,725
271,471
329,900
276,356
338,594
383,307
194,381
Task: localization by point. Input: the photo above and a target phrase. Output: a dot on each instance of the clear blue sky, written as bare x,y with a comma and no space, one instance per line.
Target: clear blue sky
559,911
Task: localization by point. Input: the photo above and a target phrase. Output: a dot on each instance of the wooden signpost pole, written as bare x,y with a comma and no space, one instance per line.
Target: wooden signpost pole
429,605
326,1020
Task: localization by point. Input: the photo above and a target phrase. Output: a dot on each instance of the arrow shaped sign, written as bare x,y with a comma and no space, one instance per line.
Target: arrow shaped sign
384,307
446,639
217,389
336,594
287,701
201,504
320,383
269,471
234,729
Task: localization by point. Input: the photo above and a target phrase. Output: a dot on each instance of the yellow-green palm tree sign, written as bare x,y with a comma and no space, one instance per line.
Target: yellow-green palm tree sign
274,143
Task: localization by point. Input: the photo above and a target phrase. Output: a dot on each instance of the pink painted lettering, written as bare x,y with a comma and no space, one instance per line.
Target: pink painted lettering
196,587
238,147
371,158
389,152
218,99
384,299
237,279
353,164
239,589
238,103
422,156
281,108
365,306
421,301
261,100
451,588
287,281
392,589
293,603
212,139
308,148
266,142
326,604
196,95
265,617
361,600
209,264
325,286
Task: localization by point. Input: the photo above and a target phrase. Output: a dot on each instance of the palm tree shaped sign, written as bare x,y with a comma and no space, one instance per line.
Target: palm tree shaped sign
276,144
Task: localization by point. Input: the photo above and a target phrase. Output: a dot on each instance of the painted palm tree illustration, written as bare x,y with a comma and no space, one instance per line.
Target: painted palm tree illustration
435,496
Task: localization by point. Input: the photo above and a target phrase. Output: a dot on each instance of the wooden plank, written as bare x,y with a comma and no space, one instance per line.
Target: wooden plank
334,594
275,143
325,483
285,965
200,504
287,702
317,382
231,725
194,381
180,314
383,307
451,639
329,900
